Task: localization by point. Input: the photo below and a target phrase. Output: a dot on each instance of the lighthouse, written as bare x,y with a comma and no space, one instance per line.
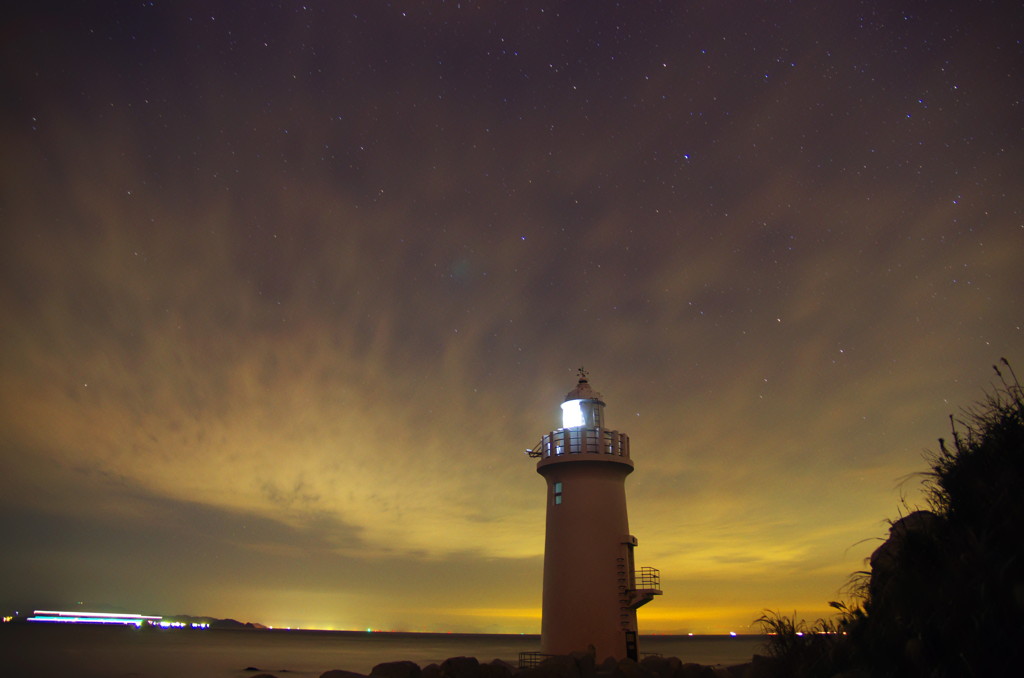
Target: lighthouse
592,588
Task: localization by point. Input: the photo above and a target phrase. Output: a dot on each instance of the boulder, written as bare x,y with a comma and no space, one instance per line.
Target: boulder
339,673
889,558
627,668
657,665
562,666
460,667
691,670
762,666
497,669
400,669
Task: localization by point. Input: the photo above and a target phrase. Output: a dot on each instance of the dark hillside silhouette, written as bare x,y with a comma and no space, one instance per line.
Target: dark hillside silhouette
945,592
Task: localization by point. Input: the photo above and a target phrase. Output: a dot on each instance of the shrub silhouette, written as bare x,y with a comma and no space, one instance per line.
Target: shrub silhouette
945,593
801,649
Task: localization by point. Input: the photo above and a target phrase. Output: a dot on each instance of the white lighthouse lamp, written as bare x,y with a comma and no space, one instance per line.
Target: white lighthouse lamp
572,414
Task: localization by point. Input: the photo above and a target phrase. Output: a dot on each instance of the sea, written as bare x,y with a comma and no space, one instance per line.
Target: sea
82,651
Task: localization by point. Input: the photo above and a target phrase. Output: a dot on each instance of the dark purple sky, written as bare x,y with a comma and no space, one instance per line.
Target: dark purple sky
287,288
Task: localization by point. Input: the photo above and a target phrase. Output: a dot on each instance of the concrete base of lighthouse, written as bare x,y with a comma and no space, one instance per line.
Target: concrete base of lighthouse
588,557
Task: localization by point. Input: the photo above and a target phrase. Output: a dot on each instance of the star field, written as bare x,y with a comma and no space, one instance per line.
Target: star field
287,289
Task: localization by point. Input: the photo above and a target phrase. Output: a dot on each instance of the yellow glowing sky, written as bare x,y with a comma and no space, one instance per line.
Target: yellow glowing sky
285,294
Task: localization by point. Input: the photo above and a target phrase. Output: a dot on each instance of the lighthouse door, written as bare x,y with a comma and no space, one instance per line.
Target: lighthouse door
631,649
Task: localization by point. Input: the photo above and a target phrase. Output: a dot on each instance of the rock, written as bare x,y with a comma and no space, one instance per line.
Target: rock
563,666
339,673
431,671
691,670
627,668
400,669
765,667
657,666
497,669
460,667
888,558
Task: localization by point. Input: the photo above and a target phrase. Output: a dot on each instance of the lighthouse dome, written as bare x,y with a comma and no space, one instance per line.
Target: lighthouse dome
583,391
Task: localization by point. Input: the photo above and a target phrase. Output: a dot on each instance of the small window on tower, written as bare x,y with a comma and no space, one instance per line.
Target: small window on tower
558,493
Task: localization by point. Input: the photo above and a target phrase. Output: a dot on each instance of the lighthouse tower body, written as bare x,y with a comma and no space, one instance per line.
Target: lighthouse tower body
591,586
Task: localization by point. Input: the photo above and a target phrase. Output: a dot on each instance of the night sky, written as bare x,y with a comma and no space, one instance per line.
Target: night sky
286,289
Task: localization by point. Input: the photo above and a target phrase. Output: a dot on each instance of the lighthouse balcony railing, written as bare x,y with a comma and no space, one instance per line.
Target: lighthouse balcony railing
647,578
646,585
582,441
529,660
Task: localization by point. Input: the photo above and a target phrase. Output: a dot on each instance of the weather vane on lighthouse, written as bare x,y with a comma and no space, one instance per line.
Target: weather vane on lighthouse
591,586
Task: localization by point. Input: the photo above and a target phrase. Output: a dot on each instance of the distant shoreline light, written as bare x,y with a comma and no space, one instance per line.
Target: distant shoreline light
65,617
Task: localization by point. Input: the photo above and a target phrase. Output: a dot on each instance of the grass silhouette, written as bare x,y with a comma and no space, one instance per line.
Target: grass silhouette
945,592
